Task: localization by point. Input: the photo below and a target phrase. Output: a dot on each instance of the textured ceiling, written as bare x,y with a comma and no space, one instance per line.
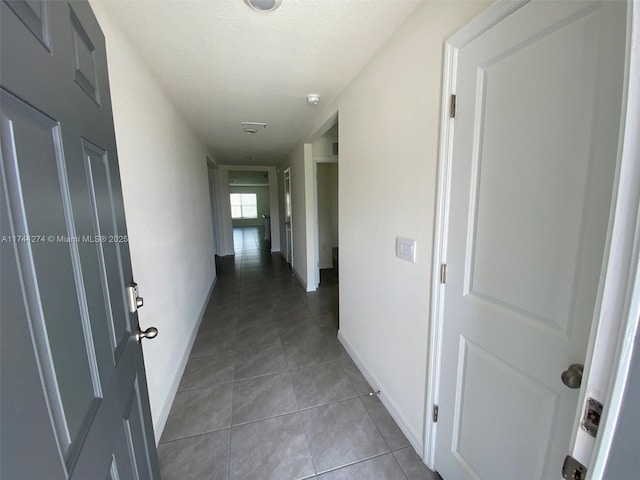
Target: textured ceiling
223,63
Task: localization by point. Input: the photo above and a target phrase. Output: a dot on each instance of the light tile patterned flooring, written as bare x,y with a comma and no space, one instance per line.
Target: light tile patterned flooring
270,393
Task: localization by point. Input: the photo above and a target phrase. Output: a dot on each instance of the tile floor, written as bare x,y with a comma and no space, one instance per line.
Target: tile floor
270,393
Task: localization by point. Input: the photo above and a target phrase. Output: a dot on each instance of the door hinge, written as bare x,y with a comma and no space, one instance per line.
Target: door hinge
572,469
443,273
452,107
434,415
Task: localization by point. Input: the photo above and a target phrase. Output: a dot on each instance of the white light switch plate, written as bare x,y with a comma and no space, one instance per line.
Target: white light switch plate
406,249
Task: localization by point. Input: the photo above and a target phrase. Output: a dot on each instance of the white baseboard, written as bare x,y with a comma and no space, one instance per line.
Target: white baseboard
307,287
159,425
412,436
300,278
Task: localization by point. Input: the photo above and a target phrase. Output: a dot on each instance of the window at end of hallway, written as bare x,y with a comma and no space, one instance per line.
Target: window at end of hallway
244,205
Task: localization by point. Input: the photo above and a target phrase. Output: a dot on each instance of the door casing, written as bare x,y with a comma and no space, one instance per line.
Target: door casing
288,214
316,246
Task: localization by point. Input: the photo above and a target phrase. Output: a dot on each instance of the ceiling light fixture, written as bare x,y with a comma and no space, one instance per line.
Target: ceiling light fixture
313,99
263,5
252,127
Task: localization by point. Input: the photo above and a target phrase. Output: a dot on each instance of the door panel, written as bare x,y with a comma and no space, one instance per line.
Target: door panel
533,211
65,257
84,59
124,456
539,99
33,158
26,424
482,378
136,439
103,216
34,15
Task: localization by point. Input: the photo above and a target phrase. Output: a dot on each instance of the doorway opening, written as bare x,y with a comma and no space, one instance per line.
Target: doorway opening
288,223
249,197
325,162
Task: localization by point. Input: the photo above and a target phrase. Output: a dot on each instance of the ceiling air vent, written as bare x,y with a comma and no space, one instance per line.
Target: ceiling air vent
252,127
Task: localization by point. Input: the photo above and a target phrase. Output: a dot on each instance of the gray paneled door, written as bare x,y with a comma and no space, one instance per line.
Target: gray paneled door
74,398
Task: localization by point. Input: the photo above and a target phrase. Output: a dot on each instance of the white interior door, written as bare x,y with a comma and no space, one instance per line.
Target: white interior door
533,164
287,216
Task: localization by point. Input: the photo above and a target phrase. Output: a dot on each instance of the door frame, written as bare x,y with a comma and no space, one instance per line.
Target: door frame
311,197
225,223
316,219
613,330
288,239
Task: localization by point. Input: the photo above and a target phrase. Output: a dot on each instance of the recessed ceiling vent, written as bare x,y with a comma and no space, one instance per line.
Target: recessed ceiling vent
252,127
263,5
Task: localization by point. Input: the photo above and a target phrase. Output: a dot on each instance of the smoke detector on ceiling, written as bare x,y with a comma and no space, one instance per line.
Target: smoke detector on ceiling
313,99
263,5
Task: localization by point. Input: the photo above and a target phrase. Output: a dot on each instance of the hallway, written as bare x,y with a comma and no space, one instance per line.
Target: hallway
270,393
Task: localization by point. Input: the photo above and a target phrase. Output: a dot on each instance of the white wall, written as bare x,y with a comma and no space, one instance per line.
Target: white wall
164,182
323,147
388,130
301,163
225,210
275,208
220,240
213,202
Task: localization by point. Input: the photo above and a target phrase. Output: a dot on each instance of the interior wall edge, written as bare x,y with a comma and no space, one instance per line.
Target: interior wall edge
386,400
161,421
